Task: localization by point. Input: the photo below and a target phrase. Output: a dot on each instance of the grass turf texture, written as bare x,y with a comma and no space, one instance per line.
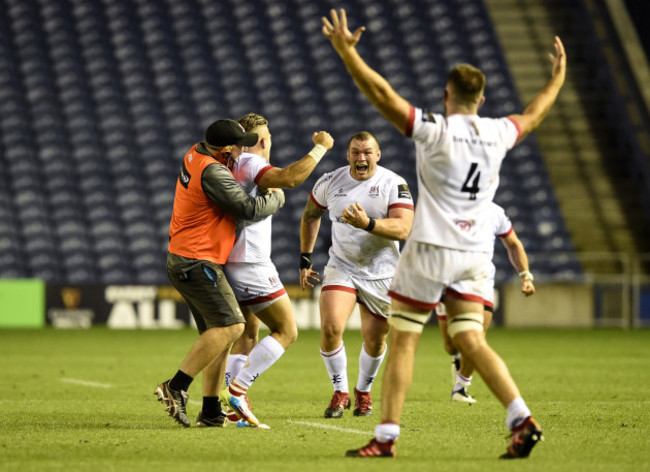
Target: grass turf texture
589,389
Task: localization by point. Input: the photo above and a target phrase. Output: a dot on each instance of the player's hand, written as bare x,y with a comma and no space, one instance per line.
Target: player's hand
338,33
559,59
307,275
323,138
276,190
356,216
527,287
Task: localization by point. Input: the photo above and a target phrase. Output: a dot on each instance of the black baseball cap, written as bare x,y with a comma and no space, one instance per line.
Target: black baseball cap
228,132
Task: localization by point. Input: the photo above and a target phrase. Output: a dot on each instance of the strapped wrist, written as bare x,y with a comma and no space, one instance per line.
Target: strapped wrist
371,225
305,260
526,275
317,152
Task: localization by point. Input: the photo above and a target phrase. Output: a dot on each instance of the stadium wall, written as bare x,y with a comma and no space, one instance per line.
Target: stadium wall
614,302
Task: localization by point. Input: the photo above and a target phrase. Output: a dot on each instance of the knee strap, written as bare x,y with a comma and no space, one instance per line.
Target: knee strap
409,322
464,322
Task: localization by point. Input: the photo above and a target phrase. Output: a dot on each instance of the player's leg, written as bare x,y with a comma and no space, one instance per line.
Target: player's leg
466,367
336,306
214,308
468,335
278,316
374,331
243,345
211,414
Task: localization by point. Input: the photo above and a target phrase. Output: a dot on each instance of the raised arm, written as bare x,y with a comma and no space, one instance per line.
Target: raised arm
309,226
296,173
519,260
396,227
222,188
375,87
537,110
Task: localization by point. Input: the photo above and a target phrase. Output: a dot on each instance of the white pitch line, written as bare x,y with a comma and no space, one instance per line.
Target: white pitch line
194,402
333,428
86,383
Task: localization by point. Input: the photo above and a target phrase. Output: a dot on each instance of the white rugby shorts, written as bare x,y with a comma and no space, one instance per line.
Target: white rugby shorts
426,272
373,294
257,285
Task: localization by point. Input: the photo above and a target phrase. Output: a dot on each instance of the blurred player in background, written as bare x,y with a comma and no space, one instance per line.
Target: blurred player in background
252,274
371,209
458,157
207,203
461,369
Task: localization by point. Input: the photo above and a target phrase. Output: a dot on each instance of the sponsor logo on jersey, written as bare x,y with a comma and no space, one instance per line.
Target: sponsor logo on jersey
340,193
464,225
374,191
403,191
427,116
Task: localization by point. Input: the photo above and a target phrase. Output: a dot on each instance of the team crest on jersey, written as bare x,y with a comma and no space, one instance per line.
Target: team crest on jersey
464,225
374,191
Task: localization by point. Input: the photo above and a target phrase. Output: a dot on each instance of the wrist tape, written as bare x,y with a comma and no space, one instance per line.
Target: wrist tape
317,152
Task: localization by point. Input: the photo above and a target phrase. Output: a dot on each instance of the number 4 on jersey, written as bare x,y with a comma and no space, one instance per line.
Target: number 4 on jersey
473,177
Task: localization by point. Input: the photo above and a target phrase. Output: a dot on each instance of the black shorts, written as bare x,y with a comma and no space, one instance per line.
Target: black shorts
204,287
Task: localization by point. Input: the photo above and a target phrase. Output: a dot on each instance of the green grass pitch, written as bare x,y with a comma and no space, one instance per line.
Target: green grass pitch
83,401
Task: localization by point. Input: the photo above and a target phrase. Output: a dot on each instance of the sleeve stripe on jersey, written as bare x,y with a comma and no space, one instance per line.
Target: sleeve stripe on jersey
507,233
518,129
408,206
410,122
263,171
313,199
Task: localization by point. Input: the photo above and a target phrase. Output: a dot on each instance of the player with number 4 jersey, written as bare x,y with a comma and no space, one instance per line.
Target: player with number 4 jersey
458,157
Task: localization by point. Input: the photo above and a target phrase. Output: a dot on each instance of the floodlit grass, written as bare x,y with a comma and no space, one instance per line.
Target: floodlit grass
83,400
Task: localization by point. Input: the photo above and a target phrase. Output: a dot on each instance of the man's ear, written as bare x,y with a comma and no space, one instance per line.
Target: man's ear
263,143
481,101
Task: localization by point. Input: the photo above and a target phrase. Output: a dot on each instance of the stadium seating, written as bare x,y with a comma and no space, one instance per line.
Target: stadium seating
99,101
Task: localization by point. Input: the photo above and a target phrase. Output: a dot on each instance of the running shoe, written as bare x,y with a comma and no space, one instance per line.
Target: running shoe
340,401
362,403
524,438
374,449
461,396
174,402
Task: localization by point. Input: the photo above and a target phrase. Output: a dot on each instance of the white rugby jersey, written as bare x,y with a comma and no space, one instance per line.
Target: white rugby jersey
253,242
458,160
355,250
501,227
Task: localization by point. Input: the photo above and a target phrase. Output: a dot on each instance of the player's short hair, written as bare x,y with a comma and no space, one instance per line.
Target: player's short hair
468,82
252,121
364,136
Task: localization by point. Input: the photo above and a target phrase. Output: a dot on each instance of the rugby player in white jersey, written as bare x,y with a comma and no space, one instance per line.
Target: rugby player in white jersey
253,276
371,210
458,157
461,369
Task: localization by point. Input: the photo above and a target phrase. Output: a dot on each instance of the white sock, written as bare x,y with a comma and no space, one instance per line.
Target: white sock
462,382
336,363
368,368
263,356
386,432
234,364
517,413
